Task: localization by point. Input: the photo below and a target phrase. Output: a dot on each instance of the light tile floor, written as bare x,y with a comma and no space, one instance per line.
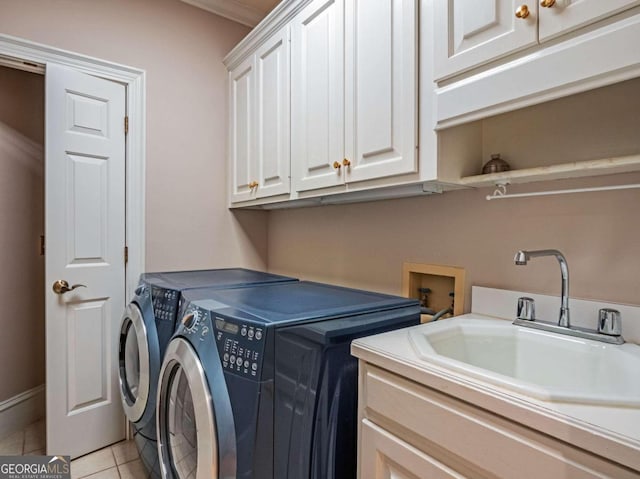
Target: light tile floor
120,461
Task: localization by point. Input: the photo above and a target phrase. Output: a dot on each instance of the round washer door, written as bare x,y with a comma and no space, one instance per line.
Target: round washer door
133,353
186,424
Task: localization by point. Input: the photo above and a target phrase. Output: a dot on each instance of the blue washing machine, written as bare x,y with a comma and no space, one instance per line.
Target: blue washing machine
259,383
147,325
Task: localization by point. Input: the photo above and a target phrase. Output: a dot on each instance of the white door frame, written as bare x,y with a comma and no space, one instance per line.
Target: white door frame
135,80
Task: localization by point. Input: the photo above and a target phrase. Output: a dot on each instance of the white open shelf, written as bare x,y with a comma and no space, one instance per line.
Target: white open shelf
606,166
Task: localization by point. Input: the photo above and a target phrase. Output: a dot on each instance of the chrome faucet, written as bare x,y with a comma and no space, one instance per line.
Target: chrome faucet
522,257
609,328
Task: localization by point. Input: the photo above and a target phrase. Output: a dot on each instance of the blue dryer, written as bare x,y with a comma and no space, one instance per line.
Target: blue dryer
259,383
147,325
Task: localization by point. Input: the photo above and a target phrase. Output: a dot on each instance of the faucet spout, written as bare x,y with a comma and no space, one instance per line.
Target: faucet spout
522,257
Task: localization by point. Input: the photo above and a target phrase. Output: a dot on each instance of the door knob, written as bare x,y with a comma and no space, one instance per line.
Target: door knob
61,286
522,11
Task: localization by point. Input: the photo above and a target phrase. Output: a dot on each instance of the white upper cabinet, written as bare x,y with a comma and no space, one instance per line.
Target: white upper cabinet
561,16
380,89
272,116
259,113
317,95
241,134
354,100
470,32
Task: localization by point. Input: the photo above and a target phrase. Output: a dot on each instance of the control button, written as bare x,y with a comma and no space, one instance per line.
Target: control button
254,366
205,330
258,335
139,290
232,358
239,361
243,331
225,357
246,363
251,334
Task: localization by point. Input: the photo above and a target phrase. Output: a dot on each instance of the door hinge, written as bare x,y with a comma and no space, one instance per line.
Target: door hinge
126,255
41,245
126,125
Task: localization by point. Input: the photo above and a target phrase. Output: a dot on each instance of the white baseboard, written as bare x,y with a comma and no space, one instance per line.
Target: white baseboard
21,410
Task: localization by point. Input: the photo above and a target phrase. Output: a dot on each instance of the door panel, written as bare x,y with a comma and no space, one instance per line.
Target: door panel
381,88
384,456
317,95
468,33
567,15
273,131
241,126
88,354
84,229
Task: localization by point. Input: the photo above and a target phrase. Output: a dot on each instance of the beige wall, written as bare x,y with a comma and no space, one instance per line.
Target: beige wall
364,245
21,224
181,48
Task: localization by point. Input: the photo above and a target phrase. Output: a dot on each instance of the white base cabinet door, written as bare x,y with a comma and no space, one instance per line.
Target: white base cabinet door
384,456
380,88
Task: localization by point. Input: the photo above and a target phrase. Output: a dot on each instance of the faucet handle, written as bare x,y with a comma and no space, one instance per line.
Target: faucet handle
609,322
526,309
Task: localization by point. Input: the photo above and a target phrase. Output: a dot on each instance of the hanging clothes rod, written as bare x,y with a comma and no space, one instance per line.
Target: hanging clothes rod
501,191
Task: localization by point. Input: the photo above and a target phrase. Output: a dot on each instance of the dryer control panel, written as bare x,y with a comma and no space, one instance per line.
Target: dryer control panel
241,346
165,303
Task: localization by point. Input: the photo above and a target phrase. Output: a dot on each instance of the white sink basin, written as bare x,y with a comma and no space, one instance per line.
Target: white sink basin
539,364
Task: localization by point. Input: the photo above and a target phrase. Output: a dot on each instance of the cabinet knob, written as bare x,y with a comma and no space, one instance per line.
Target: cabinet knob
337,165
346,162
547,3
522,11
253,184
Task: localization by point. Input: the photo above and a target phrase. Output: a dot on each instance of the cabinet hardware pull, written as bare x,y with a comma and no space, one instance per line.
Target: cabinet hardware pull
547,3
337,165
522,11
253,184
346,162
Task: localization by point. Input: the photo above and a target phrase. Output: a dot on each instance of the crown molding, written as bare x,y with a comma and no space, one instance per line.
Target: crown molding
279,17
231,9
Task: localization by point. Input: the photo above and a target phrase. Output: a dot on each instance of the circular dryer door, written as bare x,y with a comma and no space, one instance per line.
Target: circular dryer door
186,424
133,363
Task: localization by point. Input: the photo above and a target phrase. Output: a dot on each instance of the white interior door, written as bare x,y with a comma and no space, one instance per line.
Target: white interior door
85,238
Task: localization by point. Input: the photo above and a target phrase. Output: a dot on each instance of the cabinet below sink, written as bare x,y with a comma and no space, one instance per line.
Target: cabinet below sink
421,419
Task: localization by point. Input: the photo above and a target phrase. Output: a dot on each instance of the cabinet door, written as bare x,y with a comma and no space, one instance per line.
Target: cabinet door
242,162
317,95
468,33
380,88
384,456
566,15
272,115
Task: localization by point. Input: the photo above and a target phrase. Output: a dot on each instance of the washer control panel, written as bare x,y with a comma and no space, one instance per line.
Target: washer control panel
165,303
241,346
